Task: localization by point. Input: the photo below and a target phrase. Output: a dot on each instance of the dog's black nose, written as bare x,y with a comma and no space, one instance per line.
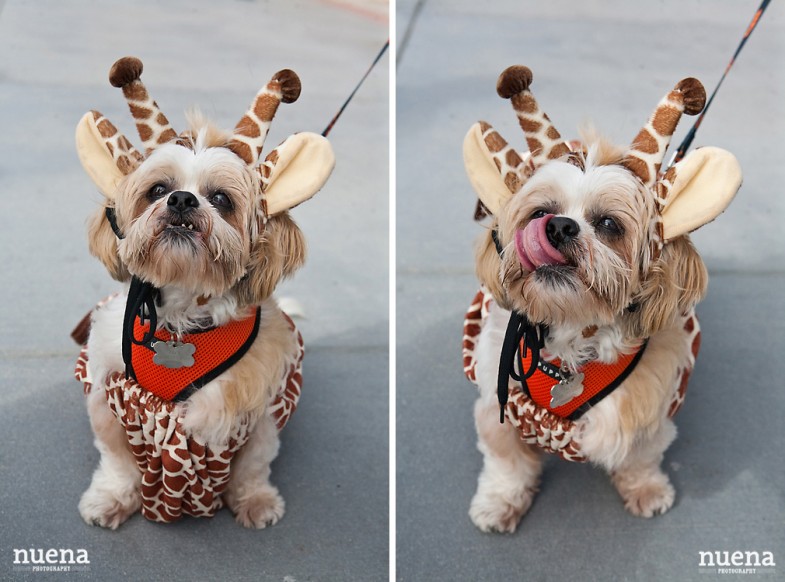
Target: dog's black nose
561,230
182,201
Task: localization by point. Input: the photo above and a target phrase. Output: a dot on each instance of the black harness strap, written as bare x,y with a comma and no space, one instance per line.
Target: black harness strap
112,218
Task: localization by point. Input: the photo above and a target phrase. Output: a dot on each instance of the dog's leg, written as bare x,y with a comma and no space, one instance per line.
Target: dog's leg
113,495
510,473
640,481
250,495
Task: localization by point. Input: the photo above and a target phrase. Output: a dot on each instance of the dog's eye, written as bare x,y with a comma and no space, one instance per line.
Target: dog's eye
156,192
221,200
609,225
538,213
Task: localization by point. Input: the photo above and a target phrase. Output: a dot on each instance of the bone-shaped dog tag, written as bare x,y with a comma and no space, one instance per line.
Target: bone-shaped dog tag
567,389
174,354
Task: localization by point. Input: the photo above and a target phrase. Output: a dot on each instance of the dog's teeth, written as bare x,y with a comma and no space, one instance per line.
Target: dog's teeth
190,227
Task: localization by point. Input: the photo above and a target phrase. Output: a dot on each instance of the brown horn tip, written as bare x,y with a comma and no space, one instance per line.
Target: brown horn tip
290,85
513,80
694,95
125,71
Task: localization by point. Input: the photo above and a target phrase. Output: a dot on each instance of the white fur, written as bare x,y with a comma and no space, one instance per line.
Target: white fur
113,495
584,302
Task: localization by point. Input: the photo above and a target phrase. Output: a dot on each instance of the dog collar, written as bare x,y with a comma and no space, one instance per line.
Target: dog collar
174,367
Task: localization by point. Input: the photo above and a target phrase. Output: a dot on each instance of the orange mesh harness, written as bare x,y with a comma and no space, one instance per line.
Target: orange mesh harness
216,350
596,380
557,390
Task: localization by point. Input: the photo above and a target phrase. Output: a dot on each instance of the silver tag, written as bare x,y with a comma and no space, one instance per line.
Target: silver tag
567,389
173,354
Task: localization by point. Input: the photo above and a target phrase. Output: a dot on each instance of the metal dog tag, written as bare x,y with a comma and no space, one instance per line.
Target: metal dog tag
173,354
567,389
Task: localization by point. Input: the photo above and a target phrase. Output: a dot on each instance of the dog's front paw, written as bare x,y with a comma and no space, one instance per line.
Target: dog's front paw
647,498
492,511
258,509
107,507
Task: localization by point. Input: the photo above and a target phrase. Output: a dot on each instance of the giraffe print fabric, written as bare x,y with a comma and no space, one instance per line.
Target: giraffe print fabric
538,426
153,126
181,474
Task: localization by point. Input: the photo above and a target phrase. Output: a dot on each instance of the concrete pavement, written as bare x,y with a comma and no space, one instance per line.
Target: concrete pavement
332,471
610,62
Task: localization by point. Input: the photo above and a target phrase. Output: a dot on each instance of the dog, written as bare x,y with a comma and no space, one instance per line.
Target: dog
584,332
192,371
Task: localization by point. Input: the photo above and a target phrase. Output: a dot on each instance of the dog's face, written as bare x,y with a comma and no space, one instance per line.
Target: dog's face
594,235
579,250
188,218
198,212
577,243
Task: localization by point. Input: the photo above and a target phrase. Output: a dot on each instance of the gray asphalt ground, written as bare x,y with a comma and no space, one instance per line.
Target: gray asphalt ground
333,468
610,62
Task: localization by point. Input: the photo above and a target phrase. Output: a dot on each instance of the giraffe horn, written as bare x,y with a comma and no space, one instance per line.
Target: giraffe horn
647,151
251,131
545,143
151,123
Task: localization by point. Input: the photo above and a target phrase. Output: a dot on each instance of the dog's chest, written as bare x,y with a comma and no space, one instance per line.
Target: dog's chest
540,418
181,472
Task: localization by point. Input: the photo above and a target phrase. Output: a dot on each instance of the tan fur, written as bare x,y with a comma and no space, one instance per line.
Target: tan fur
675,283
103,245
244,389
606,152
193,219
487,266
612,283
279,251
115,485
213,136
643,403
505,453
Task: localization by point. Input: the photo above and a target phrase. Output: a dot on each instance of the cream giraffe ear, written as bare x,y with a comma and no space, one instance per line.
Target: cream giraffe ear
697,190
495,169
295,171
106,154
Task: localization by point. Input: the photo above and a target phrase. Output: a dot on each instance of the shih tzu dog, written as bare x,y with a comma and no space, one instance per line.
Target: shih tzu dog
191,372
584,332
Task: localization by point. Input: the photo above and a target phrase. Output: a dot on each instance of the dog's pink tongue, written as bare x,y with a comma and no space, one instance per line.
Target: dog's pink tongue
533,246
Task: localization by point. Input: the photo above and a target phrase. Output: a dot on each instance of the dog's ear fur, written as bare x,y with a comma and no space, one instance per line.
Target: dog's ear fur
103,244
674,284
488,267
295,171
277,253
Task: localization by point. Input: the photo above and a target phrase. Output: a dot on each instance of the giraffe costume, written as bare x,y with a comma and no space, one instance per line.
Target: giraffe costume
688,195
181,474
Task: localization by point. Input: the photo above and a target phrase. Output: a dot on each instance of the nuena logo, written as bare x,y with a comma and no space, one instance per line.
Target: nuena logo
50,560
738,562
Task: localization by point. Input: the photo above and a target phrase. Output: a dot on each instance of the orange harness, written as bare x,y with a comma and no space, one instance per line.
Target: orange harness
591,384
214,351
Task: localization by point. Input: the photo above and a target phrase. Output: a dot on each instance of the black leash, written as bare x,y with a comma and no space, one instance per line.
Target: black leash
345,103
685,144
